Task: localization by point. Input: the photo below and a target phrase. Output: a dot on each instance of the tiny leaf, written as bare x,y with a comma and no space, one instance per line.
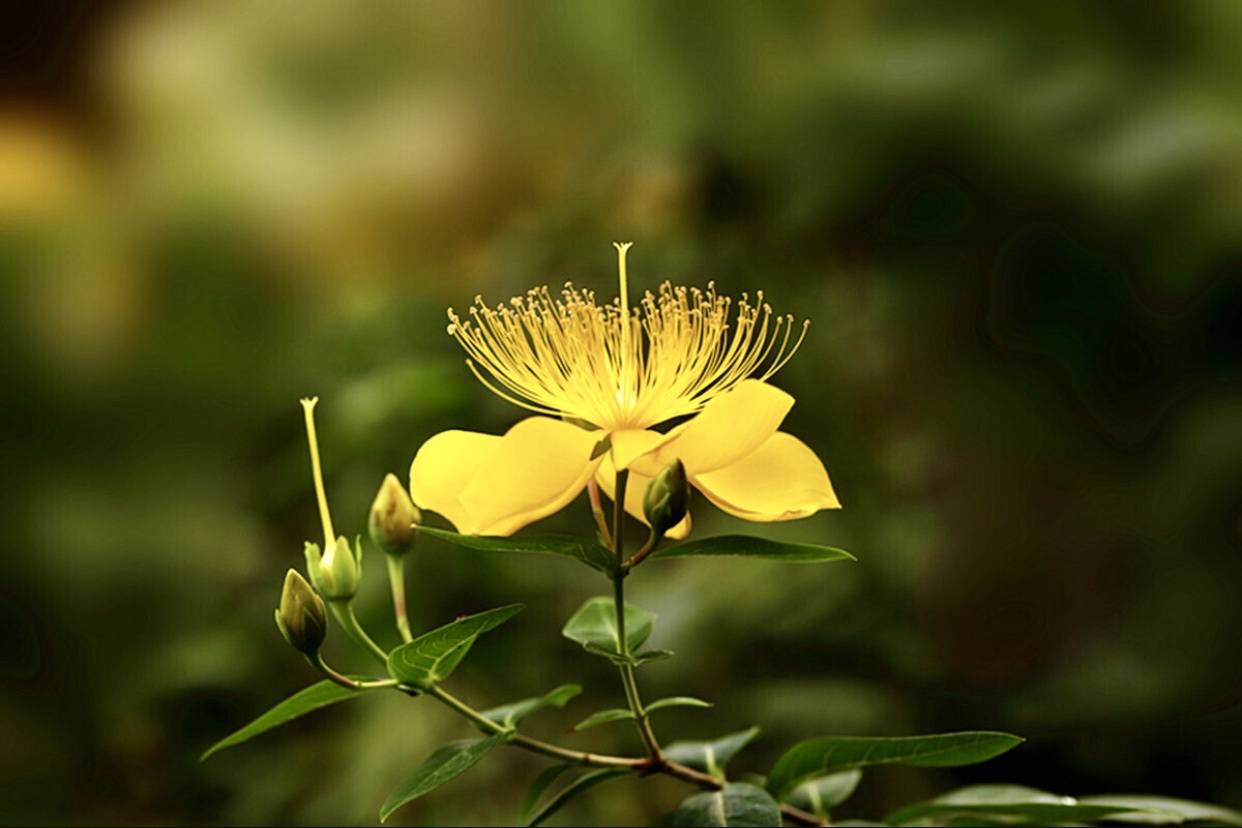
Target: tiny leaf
1152,806
509,715
755,548
595,623
830,753
740,803
588,552
440,767
677,701
304,701
431,657
613,714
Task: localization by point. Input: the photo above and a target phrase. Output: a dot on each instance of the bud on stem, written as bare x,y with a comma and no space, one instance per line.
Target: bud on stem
667,499
393,518
301,617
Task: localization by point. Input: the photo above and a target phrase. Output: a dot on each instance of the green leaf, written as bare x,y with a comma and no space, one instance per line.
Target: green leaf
821,794
755,548
579,785
1012,805
740,803
442,766
830,753
1174,810
650,655
542,782
595,624
509,715
433,656
710,757
613,714
632,660
304,701
677,701
588,552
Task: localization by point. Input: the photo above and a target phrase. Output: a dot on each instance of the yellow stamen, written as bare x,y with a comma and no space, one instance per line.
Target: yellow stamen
308,406
617,368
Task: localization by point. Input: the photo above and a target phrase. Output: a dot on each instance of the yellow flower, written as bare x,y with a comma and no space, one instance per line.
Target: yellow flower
609,374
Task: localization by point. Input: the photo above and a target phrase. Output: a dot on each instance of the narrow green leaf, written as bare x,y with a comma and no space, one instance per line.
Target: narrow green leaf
830,753
588,552
1155,806
755,548
710,757
613,714
542,782
595,623
821,794
677,701
650,655
431,657
740,803
304,701
1013,805
579,785
442,766
509,715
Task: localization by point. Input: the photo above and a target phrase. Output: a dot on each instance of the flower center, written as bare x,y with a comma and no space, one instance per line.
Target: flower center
618,367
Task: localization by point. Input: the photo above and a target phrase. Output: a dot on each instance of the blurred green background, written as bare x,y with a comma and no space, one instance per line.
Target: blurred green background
1016,228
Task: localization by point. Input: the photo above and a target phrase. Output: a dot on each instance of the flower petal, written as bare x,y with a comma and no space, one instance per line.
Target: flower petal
442,469
780,480
537,468
635,489
726,430
629,443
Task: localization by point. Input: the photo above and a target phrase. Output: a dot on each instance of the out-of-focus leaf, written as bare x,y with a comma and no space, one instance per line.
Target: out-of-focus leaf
542,782
740,803
578,786
756,548
821,794
595,623
304,701
440,767
1011,805
509,715
586,551
710,757
1165,810
815,756
431,657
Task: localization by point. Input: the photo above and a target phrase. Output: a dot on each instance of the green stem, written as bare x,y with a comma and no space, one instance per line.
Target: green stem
344,612
345,681
628,682
396,578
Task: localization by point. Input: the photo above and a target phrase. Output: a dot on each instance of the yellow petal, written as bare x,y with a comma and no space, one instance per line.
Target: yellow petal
780,480
629,443
442,469
726,430
537,468
635,488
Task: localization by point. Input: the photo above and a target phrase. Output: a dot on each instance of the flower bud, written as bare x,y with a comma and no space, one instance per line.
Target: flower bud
336,574
667,498
393,518
301,617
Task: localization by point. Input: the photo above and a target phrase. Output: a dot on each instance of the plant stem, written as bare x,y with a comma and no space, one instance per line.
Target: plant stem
345,681
396,578
597,509
645,765
344,612
628,682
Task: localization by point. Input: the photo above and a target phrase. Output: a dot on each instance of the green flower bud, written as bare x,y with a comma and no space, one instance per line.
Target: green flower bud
393,518
337,572
301,618
667,498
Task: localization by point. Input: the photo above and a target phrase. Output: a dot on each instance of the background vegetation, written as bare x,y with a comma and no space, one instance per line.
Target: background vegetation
1014,226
